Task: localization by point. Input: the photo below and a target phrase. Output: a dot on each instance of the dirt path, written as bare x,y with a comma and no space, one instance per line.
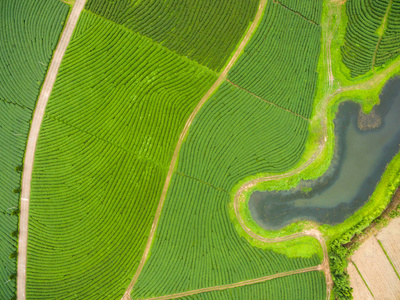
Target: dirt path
238,284
184,132
31,145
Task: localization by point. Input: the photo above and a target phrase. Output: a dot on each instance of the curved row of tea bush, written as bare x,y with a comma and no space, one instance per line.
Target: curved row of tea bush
115,114
235,135
29,31
365,26
280,62
303,286
311,10
389,47
206,31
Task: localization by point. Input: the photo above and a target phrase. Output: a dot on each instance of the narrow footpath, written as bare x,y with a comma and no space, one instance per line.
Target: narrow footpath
184,132
32,141
238,284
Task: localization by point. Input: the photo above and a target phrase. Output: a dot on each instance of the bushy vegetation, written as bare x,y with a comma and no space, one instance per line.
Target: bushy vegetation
206,31
306,286
310,10
116,111
29,33
280,62
234,135
371,40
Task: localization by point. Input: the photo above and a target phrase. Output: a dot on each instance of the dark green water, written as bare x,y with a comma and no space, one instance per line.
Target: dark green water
360,159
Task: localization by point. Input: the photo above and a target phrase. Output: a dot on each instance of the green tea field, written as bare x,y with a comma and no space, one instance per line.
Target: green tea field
134,134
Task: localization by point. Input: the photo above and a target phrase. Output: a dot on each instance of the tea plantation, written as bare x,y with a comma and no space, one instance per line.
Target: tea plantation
155,118
116,111
372,36
29,31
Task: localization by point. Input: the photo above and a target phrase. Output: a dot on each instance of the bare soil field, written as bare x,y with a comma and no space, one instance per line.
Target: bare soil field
360,290
377,271
390,239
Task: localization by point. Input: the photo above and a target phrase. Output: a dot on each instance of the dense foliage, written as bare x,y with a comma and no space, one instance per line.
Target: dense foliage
310,285
115,114
280,62
206,31
372,35
29,31
234,135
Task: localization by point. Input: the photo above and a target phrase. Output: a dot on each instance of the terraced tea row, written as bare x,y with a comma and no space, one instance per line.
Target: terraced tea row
237,135
372,34
29,33
280,62
206,31
389,47
310,10
310,285
196,244
116,111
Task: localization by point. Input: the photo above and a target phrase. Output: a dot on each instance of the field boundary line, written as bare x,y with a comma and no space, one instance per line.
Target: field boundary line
32,141
388,257
359,273
296,12
266,101
182,136
238,284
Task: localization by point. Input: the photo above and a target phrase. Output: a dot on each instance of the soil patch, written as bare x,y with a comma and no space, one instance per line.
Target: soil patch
377,271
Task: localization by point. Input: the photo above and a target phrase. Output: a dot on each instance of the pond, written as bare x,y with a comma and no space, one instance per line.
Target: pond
365,144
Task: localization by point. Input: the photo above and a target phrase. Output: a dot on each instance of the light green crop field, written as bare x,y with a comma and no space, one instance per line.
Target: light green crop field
280,62
118,106
195,238
235,135
124,121
29,31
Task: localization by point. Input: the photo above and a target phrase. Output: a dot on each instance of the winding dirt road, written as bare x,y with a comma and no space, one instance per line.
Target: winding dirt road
32,141
184,132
